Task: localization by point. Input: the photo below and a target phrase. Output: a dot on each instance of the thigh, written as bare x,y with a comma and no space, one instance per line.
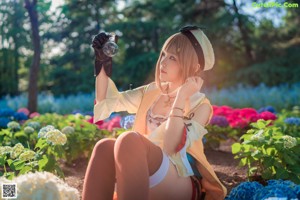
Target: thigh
172,186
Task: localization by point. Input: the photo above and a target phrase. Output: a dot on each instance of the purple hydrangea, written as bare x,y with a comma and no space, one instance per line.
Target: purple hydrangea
127,121
267,108
219,121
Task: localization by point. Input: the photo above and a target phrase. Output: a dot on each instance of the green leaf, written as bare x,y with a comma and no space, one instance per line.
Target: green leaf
25,169
267,174
288,159
261,124
235,148
43,162
243,162
18,164
281,173
2,161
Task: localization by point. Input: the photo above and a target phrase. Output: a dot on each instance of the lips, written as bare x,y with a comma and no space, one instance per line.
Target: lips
163,72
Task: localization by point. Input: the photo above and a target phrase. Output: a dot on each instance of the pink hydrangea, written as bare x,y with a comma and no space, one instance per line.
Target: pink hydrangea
24,110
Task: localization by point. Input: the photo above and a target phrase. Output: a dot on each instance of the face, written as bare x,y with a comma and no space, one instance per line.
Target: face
169,67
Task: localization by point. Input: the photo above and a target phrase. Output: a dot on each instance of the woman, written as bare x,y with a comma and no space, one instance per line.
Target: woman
162,157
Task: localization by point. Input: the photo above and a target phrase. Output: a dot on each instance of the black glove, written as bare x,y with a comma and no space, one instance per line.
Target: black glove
100,58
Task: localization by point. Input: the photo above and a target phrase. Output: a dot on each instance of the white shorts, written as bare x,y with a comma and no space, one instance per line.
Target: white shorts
161,173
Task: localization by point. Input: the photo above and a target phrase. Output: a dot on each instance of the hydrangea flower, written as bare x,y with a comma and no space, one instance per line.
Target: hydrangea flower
5,150
289,141
220,121
15,126
42,185
45,130
292,121
3,122
35,125
28,130
277,188
6,112
127,121
68,130
16,151
267,108
56,137
18,116
27,155
258,136
244,191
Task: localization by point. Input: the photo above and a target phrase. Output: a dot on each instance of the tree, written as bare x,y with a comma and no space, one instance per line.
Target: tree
34,69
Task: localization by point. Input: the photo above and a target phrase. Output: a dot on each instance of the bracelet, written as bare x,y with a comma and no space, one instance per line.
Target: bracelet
178,108
176,116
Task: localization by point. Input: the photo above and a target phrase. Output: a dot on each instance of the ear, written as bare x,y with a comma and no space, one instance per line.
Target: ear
197,68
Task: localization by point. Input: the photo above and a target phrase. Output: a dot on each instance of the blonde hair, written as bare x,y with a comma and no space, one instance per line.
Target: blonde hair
179,45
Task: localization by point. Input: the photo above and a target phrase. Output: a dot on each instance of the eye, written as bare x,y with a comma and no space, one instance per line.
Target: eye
172,58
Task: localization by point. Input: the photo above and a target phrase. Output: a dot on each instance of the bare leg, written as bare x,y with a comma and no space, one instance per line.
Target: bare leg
99,179
136,159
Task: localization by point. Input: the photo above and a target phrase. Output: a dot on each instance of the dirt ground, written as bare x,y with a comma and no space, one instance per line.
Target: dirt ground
225,166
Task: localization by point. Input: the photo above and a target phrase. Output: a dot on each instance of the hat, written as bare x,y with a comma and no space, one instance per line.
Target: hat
202,46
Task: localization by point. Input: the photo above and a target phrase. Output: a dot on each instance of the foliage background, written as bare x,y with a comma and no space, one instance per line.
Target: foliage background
250,49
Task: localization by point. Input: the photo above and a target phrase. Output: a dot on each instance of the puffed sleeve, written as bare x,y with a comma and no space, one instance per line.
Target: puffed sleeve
116,101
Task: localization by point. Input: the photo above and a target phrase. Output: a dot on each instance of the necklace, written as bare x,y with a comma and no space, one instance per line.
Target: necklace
170,99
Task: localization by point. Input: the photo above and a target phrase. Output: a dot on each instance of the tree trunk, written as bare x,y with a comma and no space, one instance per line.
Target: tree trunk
34,69
244,33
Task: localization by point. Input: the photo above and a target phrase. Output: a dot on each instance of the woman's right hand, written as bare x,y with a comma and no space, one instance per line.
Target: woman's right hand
100,58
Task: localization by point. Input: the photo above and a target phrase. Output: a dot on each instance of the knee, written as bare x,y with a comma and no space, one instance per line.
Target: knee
105,146
126,142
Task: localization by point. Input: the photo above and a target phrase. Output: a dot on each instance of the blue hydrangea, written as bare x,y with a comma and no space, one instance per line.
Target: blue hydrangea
292,121
219,121
18,116
244,191
267,108
127,121
277,188
6,112
3,122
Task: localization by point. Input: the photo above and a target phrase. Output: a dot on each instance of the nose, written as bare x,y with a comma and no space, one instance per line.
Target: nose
163,62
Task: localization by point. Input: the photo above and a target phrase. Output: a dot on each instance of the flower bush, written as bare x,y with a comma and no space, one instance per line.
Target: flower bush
43,186
275,189
43,157
269,152
229,123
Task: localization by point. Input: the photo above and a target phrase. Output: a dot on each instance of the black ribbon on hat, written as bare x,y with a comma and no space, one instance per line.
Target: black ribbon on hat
186,30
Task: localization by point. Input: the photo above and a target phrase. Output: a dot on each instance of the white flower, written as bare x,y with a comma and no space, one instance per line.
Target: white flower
258,136
45,130
68,130
289,141
14,126
35,125
4,150
27,155
42,186
16,151
56,137
28,130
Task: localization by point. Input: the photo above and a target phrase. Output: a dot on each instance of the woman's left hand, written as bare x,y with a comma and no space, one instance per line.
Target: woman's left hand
190,87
